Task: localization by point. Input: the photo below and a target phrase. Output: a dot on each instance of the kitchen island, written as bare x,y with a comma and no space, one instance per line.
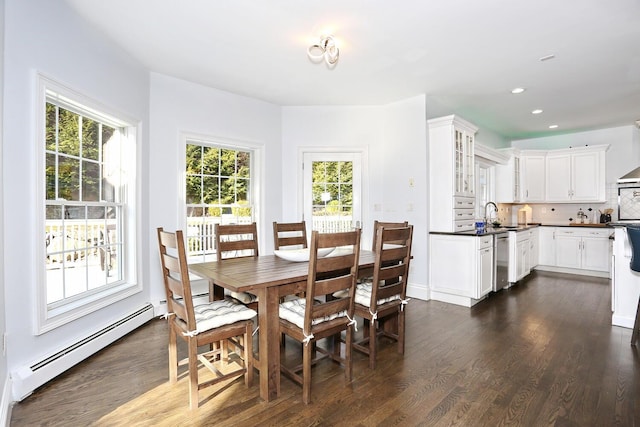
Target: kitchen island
625,289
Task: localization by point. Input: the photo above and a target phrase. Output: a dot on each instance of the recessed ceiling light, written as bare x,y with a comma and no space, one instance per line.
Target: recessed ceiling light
538,111
547,57
518,90
553,126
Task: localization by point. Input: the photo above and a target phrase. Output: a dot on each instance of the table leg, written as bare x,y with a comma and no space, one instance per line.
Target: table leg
269,351
215,292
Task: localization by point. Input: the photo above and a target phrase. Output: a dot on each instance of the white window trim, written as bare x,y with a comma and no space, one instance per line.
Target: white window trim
48,319
257,173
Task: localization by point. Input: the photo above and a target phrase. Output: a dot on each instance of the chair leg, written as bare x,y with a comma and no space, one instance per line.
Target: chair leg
193,373
306,372
636,326
173,356
248,355
373,344
401,326
348,352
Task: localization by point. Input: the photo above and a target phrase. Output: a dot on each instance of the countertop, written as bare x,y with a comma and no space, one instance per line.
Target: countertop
521,227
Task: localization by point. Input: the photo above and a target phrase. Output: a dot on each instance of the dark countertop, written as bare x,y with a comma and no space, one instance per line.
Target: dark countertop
521,227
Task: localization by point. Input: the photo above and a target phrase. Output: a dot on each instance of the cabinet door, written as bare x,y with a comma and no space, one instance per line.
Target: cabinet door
485,273
522,261
558,172
585,171
534,178
547,246
533,249
595,253
568,250
464,165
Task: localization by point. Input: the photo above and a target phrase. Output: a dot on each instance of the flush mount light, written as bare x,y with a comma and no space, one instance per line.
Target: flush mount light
547,57
518,90
538,111
326,49
553,126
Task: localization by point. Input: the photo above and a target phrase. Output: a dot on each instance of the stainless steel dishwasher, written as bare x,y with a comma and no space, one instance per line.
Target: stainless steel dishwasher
501,251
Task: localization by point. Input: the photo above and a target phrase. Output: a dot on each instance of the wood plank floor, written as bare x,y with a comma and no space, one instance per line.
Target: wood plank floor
540,354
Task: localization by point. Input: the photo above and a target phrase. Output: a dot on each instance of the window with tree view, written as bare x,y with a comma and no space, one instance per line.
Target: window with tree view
218,191
332,196
84,202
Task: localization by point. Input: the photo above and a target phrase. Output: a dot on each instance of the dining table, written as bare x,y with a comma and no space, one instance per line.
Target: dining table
269,278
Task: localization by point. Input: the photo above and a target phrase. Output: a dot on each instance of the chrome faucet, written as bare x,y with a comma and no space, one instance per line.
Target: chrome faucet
488,217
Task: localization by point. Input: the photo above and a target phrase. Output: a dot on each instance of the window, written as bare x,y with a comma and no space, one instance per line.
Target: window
87,248
219,190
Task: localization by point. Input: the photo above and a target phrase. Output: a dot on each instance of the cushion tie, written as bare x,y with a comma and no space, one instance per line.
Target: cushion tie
307,338
255,331
374,316
352,322
404,302
167,315
190,333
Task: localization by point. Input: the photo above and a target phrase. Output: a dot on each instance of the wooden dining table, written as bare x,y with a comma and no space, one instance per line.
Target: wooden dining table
270,278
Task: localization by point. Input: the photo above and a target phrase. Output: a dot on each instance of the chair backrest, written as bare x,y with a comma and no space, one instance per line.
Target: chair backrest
378,224
236,240
391,267
289,234
634,239
334,273
175,273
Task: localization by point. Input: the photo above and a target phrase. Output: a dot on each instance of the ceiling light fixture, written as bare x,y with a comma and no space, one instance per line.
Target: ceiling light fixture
326,50
518,90
553,126
538,111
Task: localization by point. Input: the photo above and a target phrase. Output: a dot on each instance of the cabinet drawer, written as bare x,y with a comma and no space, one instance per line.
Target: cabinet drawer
464,202
583,232
464,225
464,214
485,242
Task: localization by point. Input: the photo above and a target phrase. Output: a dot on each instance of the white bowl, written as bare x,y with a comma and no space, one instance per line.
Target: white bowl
300,255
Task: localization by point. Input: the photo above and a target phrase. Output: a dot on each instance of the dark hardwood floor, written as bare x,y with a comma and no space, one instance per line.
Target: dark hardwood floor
543,353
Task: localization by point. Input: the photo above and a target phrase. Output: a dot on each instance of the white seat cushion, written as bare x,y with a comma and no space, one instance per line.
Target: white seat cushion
244,297
218,313
363,295
293,311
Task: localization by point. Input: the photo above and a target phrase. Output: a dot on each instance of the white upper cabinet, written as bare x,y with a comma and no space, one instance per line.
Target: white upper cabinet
533,176
451,174
508,179
576,174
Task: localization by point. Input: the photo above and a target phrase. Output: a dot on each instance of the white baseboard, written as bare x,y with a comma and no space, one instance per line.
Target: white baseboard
418,292
625,322
5,404
454,299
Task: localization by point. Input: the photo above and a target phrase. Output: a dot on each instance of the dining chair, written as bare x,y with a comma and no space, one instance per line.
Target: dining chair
383,298
378,224
313,317
237,241
289,234
203,324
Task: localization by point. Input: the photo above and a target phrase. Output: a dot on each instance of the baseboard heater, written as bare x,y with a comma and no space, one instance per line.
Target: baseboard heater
29,377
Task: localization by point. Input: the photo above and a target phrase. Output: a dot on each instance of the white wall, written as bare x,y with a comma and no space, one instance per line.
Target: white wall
45,36
394,139
4,378
178,107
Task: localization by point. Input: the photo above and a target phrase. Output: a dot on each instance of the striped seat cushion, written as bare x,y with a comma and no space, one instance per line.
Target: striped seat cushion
293,311
218,313
363,295
244,297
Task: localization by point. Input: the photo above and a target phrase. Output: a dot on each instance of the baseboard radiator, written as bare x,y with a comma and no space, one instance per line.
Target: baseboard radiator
29,377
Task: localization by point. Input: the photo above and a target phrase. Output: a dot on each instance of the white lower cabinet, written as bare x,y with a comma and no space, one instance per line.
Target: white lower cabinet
519,248
585,249
461,268
575,248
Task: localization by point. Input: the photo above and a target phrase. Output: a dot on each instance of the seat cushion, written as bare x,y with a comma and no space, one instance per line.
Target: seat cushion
219,313
293,311
244,297
363,295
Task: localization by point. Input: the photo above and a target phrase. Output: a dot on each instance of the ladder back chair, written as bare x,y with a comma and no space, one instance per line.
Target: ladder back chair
384,297
289,234
378,224
204,324
312,318
238,241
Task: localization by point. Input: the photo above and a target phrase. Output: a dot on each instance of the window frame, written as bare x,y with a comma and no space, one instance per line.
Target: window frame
50,317
256,176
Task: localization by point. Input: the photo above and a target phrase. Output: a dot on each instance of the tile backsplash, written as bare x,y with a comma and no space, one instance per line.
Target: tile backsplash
561,213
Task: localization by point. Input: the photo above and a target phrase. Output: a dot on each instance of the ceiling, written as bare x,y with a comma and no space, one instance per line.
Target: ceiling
464,55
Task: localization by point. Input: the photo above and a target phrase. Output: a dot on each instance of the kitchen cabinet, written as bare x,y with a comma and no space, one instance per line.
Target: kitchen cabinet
508,178
533,176
461,268
519,248
452,174
533,248
625,283
547,246
576,174
584,249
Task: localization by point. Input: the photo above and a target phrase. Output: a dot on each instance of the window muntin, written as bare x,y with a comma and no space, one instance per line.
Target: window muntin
218,190
332,192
